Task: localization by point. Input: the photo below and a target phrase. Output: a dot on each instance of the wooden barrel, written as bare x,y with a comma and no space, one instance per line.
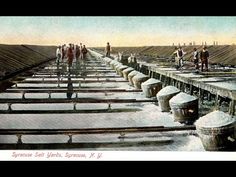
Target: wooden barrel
131,75
120,69
116,66
113,63
217,131
151,87
164,96
126,72
107,60
184,108
139,79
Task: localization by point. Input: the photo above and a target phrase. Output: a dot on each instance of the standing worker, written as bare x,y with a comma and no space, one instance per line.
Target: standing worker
108,50
195,58
70,56
80,51
179,53
58,54
84,52
77,52
63,52
204,58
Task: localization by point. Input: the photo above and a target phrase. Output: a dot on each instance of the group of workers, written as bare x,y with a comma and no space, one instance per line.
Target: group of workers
71,52
77,52
203,56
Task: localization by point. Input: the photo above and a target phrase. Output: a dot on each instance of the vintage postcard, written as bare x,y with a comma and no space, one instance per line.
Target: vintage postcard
117,88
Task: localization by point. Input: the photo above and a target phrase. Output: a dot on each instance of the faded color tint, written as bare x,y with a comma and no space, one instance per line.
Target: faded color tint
119,31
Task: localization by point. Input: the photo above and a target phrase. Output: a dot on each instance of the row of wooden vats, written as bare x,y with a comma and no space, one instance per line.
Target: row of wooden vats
216,129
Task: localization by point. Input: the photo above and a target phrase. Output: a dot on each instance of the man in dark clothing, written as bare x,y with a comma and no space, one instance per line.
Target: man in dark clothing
108,50
204,58
70,55
84,52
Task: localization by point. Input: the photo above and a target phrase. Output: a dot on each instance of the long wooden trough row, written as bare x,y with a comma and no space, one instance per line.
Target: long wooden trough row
217,82
94,130
66,90
123,131
71,81
75,100
71,76
172,78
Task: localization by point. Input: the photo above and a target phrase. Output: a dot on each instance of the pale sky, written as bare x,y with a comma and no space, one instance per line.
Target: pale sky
119,31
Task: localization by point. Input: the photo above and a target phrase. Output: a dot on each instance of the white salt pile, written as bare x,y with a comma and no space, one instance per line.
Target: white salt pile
133,73
139,76
151,81
128,69
123,67
215,119
168,91
182,98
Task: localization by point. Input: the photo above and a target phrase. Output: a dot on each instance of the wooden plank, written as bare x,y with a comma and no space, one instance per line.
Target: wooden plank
49,88
74,90
95,130
84,111
66,81
55,76
74,100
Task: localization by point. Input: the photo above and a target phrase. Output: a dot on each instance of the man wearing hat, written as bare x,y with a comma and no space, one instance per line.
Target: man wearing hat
204,58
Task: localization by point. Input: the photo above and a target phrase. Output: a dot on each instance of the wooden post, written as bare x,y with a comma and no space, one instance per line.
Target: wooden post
9,107
208,96
171,81
19,140
160,77
23,95
232,107
191,89
182,86
168,80
164,81
109,107
201,95
153,75
150,73
216,107
49,95
70,139
174,82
